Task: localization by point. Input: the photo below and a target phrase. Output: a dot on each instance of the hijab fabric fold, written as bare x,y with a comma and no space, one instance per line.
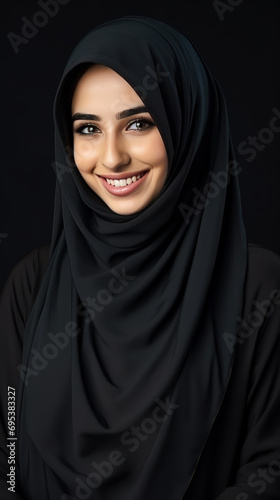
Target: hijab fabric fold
127,329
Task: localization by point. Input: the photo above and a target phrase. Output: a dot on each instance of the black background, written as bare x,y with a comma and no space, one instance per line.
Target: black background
240,46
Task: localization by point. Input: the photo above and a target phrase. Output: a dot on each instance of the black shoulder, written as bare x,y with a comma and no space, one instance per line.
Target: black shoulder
23,283
263,267
262,286
32,264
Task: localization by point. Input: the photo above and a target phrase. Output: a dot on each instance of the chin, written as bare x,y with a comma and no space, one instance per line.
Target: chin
125,211
126,208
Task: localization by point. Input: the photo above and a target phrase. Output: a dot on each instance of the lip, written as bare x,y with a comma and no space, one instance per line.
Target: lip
124,190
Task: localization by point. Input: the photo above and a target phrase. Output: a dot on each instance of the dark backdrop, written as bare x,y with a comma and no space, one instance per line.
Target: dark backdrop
238,39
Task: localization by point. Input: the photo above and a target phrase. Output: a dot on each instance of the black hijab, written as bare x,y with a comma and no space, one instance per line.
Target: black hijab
127,330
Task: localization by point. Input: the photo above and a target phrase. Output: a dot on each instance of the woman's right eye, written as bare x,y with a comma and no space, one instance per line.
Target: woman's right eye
86,129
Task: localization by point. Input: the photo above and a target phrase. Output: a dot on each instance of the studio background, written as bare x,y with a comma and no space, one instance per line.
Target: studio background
239,41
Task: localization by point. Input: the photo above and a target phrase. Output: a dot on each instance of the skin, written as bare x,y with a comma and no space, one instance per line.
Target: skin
112,145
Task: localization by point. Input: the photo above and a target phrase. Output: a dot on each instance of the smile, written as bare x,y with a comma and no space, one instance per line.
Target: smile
125,185
125,182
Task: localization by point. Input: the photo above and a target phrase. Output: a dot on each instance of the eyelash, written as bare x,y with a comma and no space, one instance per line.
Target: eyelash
143,120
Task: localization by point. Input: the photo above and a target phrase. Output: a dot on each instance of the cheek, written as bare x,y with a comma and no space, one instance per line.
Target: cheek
158,157
84,154
153,151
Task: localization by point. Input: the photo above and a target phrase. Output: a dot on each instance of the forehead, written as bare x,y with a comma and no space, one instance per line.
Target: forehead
102,88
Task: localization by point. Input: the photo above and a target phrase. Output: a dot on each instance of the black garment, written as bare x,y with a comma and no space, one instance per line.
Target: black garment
244,443
133,311
145,298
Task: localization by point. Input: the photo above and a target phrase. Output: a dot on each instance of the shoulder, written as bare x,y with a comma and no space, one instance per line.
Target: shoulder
32,265
23,283
263,270
261,300
30,269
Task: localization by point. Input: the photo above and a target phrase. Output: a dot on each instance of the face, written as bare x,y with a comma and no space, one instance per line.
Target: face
117,147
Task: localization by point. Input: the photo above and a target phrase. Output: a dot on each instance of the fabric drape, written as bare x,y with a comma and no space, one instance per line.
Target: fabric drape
126,362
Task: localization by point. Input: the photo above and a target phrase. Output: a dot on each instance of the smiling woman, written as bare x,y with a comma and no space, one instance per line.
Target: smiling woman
142,346
118,149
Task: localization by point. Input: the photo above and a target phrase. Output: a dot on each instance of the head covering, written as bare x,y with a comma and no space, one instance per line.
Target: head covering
127,330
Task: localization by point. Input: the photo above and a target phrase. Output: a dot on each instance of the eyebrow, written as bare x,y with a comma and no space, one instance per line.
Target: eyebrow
122,114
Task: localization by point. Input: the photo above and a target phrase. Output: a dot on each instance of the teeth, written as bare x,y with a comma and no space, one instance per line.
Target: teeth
124,182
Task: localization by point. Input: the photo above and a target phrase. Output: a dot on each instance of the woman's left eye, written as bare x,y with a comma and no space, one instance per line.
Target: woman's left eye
140,125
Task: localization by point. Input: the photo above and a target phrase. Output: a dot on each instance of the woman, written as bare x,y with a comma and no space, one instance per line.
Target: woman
143,346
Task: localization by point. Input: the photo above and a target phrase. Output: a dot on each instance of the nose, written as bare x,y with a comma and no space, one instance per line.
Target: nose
114,152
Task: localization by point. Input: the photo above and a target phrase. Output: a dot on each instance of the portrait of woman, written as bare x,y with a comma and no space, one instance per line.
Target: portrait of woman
140,349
